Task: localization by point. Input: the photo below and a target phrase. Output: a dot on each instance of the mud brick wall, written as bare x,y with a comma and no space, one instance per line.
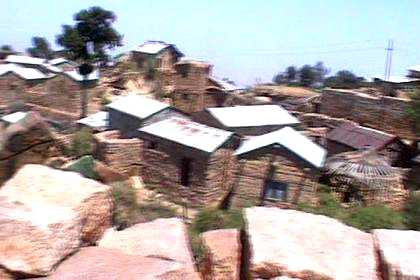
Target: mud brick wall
384,113
256,169
121,154
210,175
11,87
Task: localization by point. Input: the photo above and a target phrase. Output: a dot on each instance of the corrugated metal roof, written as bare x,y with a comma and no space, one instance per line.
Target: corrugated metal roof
398,79
52,68
79,78
359,137
224,85
58,60
290,139
152,47
23,72
255,115
23,59
188,133
138,106
97,120
14,117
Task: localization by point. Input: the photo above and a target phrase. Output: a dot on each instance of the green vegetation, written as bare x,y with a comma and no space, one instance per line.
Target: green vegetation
105,100
212,219
85,166
82,143
344,79
129,212
364,218
414,110
413,213
41,48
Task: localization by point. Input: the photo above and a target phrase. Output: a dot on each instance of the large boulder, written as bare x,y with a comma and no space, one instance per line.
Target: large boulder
306,246
399,252
222,258
95,263
47,214
161,238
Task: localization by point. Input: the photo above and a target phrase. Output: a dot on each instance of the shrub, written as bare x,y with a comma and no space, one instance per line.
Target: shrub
413,213
82,143
379,216
128,211
86,167
105,100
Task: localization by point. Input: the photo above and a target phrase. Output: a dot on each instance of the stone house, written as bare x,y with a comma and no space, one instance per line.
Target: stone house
129,113
413,176
247,120
157,55
280,168
191,163
350,137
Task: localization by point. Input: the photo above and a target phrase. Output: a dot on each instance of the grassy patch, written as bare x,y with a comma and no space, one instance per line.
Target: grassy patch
81,143
85,166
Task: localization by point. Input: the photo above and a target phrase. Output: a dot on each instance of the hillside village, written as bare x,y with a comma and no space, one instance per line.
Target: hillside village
152,168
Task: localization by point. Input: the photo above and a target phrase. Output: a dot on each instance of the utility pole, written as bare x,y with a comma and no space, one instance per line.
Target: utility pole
388,61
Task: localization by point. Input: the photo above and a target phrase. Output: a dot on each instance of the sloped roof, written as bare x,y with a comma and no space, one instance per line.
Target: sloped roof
57,61
97,120
359,137
23,59
23,72
415,68
223,84
188,133
138,106
52,68
154,47
290,139
14,117
254,115
79,78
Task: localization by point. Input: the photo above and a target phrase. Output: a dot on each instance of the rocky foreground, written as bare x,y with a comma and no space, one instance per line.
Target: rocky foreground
57,225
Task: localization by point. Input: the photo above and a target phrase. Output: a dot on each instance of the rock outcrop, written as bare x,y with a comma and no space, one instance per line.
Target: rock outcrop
95,263
162,238
222,258
47,214
399,252
306,246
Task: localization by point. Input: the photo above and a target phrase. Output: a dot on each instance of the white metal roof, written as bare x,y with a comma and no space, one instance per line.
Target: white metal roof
23,72
97,120
415,68
138,106
290,139
188,133
23,59
79,78
152,47
399,79
225,85
255,115
52,68
58,60
14,117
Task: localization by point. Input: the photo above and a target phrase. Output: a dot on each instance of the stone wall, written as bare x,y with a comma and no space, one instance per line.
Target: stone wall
254,171
121,154
385,113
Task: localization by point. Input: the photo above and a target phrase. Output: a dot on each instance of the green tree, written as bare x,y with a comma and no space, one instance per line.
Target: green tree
320,71
279,79
93,25
6,48
291,74
343,79
414,110
413,213
40,48
307,75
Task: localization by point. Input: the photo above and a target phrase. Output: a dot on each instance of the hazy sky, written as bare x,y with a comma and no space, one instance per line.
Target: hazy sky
245,40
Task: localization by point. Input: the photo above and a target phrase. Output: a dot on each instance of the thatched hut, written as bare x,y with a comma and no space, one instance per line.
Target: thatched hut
365,177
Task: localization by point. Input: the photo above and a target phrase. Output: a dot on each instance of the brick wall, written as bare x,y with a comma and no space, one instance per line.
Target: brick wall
384,113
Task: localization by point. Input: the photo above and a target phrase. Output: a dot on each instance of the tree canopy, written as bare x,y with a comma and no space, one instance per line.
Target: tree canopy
343,79
40,48
307,75
6,48
94,26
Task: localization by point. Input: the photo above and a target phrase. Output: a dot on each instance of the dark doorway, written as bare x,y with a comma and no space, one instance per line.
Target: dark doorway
185,171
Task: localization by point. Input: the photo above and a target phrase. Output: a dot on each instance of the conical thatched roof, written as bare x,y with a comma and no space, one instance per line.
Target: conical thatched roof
363,169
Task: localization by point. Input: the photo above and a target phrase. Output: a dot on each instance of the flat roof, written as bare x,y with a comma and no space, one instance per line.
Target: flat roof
97,120
290,139
14,117
253,115
138,106
23,59
188,133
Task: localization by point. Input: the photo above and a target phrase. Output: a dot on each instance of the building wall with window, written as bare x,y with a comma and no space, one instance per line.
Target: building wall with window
275,179
187,176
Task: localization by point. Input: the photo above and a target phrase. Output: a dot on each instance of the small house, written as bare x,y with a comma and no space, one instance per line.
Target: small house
350,137
156,55
248,120
131,112
191,163
280,168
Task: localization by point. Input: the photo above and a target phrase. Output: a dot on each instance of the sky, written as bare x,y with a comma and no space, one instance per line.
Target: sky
247,41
